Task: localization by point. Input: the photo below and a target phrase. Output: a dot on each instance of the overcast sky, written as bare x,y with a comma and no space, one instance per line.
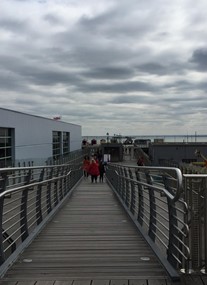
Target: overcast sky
119,66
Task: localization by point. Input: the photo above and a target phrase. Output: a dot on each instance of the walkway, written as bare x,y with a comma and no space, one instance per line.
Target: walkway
91,241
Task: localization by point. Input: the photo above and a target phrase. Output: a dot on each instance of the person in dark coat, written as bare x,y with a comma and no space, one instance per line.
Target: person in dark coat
101,171
140,161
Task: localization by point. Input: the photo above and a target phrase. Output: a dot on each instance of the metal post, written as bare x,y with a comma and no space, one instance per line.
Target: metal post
23,212
126,188
56,189
132,201
195,223
61,184
3,183
49,206
152,222
38,199
140,215
205,226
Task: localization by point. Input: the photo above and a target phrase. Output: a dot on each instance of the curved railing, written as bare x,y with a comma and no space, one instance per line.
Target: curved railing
153,198
29,197
195,194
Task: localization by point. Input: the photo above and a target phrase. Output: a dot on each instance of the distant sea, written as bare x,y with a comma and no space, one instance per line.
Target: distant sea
167,138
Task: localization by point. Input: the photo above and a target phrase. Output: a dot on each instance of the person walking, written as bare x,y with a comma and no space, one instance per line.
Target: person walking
86,164
93,170
101,170
140,161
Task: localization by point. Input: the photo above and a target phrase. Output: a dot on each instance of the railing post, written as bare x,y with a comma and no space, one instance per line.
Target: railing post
205,225
173,232
56,188
49,206
3,183
65,181
153,216
140,205
61,183
68,180
126,188
119,181
23,213
39,200
2,256
132,201
122,183
196,222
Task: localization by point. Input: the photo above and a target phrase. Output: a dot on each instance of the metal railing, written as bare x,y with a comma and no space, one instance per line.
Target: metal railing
168,208
153,198
29,197
195,194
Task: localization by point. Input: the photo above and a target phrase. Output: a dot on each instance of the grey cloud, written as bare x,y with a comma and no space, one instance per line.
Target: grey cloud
52,19
187,99
41,74
121,87
115,23
109,73
120,55
199,58
153,68
15,26
47,77
127,99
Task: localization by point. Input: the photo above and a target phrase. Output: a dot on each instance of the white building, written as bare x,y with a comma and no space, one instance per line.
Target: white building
34,138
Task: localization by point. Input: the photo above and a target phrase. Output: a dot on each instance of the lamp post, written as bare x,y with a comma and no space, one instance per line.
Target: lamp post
107,137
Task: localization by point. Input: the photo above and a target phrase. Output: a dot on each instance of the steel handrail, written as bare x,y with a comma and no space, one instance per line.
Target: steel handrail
13,190
137,188
179,179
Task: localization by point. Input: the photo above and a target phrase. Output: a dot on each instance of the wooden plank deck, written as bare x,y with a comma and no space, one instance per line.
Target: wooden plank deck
90,241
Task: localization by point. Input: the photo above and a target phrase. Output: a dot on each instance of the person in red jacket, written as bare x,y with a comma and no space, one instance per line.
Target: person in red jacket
93,170
86,164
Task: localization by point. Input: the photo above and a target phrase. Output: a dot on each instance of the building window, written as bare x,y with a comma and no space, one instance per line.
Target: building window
56,144
6,147
66,143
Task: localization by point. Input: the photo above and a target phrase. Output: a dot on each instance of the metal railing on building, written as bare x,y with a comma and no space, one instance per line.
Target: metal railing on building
29,197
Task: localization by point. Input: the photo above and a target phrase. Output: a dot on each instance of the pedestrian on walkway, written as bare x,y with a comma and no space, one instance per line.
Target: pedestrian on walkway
140,161
101,170
86,164
93,170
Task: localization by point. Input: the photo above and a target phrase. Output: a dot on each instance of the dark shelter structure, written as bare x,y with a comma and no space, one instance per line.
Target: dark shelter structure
112,151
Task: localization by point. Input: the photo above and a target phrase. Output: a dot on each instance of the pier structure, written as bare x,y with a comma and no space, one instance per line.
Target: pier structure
144,225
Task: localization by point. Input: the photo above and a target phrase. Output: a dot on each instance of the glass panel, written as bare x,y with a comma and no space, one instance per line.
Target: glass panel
5,147
56,143
66,143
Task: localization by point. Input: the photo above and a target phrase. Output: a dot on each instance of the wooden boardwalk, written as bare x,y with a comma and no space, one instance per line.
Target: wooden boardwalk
91,241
